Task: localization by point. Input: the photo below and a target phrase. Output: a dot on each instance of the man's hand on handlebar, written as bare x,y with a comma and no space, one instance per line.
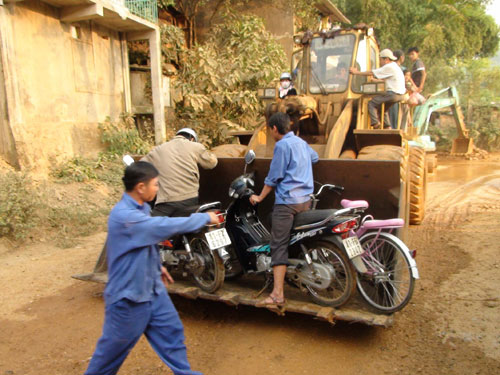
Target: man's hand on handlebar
254,199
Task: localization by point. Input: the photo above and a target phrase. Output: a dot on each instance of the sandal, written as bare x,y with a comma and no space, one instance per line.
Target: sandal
271,301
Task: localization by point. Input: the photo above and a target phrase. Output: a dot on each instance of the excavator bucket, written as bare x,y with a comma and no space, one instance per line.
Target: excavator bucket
462,146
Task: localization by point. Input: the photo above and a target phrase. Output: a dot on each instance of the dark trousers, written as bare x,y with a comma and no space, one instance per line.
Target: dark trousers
282,223
375,105
175,209
125,322
394,114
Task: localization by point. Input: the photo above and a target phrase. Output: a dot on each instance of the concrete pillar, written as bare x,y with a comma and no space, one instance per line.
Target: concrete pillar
9,65
156,79
127,96
157,84
11,113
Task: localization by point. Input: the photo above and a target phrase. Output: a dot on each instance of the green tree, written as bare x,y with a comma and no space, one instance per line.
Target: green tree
189,9
219,78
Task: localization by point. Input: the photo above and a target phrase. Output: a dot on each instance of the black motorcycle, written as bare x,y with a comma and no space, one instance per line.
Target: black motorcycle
200,254
318,261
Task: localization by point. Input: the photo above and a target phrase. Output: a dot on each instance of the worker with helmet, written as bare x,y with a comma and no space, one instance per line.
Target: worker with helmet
178,162
286,86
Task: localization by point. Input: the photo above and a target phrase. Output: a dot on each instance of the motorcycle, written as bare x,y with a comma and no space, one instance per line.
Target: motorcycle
200,254
319,262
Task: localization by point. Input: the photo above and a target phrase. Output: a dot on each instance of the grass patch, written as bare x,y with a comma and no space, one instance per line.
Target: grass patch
19,199
76,201
73,221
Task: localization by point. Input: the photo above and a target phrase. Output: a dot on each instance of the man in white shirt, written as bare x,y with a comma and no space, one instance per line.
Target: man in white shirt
395,89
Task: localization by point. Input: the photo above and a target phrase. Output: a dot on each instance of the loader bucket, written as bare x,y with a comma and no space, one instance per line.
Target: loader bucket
462,146
378,182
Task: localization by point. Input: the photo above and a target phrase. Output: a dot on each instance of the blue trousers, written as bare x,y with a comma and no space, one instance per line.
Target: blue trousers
124,323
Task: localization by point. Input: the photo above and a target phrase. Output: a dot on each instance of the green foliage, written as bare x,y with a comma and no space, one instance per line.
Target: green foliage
138,52
172,44
219,78
30,210
166,3
443,136
18,202
122,137
485,127
80,169
443,29
77,169
305,14
479,85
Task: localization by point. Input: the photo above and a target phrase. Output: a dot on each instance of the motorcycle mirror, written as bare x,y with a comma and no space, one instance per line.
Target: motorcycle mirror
128,160
250,157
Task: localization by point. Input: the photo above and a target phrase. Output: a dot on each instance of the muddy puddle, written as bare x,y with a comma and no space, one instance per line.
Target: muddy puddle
464,171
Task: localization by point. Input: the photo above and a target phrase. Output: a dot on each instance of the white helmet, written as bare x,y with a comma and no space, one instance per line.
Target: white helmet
188,131
286,75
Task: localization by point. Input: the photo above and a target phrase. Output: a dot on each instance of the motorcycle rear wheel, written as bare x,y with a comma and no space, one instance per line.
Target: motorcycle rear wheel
343,283
211,277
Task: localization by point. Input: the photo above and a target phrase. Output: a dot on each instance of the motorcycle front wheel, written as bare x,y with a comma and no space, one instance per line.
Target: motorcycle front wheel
342,284
209,273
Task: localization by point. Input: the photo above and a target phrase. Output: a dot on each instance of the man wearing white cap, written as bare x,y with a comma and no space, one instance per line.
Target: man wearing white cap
395,89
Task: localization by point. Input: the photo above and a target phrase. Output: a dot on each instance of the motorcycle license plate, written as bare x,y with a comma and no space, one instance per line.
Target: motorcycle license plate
217,239
352,247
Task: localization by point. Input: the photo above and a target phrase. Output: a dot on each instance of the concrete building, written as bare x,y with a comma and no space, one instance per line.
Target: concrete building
63,69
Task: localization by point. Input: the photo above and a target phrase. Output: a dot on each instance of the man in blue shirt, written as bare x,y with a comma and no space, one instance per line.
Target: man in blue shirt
136,299
290,173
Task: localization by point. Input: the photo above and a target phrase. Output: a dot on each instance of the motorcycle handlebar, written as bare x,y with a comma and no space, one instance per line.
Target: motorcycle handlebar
330,187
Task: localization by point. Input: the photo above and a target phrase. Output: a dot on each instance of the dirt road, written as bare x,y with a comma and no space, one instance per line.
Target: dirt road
49,323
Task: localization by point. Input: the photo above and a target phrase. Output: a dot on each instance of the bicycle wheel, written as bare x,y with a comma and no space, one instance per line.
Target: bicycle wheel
388,284
209,273
342,284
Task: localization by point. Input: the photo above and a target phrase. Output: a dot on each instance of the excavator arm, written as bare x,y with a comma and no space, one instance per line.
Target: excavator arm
446,98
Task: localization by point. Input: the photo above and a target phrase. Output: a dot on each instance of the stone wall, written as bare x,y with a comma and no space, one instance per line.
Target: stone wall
67,80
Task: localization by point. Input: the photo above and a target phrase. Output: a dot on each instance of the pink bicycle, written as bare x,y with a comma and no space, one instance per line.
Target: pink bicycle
386,270
391,270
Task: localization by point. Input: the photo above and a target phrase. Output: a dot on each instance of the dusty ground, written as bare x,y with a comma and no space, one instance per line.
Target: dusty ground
49,323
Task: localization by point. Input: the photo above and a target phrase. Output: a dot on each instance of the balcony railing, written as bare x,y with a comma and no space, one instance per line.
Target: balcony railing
147,9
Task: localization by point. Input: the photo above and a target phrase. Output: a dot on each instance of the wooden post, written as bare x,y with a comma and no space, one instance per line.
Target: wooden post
157,84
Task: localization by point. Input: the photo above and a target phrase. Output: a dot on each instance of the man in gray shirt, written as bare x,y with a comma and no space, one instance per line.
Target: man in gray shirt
418,73
177,161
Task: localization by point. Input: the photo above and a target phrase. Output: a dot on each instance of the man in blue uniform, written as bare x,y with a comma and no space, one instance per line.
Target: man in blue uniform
136,299
290,173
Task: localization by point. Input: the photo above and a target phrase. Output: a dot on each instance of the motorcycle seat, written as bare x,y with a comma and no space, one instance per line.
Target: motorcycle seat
311,217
